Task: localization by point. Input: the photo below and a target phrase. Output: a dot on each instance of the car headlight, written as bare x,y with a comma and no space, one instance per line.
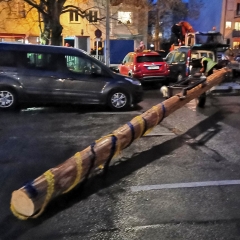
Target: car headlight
133,81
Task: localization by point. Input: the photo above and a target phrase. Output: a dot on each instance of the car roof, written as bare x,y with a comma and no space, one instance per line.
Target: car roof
145,53
41,48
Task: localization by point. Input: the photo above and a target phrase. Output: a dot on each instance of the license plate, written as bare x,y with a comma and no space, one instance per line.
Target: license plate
153,67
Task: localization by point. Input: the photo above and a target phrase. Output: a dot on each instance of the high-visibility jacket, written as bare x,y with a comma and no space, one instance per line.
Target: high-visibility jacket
210,63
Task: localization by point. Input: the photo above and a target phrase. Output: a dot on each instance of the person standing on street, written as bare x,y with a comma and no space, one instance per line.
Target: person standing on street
141,47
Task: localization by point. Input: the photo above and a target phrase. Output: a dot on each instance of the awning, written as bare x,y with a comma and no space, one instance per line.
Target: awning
69,38
236,39
12,35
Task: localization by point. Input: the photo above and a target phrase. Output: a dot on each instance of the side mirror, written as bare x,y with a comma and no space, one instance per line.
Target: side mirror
114,69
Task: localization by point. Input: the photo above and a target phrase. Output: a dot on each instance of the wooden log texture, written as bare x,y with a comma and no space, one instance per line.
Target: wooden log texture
31,199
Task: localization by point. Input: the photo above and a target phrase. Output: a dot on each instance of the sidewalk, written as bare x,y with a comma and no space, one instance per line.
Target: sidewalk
231,88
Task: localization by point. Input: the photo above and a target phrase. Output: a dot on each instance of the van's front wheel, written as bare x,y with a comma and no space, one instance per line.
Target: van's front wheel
8,99
118,100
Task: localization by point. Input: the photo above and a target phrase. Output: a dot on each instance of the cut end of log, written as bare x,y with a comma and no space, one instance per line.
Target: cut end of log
22,204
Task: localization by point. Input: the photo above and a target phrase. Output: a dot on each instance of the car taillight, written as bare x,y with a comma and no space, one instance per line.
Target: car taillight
136,68
167,67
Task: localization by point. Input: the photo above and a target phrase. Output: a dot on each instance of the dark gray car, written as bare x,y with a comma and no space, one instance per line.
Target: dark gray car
51,74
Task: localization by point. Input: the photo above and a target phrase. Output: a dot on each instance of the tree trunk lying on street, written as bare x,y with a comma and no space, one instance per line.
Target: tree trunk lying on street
31,199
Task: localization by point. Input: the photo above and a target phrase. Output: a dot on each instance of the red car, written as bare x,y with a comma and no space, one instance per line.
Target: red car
146,66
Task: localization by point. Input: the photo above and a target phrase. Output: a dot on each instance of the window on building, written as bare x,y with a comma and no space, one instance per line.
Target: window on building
228,25
237,26
230,5
74,17
21,9
124,17
238,9
93,16
17,9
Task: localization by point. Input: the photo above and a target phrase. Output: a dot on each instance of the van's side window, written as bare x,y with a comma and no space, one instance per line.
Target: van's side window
8,59
82,65
38,61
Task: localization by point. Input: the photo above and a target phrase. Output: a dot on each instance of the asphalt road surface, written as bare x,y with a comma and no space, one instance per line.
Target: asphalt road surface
181,181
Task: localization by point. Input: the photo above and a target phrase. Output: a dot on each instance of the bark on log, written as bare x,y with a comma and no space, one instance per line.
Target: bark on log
33,197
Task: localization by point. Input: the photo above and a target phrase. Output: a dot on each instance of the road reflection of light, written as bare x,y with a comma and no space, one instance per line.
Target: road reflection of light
32,109
192,105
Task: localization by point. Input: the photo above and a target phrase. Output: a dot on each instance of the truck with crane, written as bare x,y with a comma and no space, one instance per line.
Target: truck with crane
184,59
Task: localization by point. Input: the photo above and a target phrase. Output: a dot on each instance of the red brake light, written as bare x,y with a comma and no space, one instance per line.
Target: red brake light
167,66
136,68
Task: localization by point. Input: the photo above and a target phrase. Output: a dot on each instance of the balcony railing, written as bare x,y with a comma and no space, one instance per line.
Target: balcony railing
99,57
235,33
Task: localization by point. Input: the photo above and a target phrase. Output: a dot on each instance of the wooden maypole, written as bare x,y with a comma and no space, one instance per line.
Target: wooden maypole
32,198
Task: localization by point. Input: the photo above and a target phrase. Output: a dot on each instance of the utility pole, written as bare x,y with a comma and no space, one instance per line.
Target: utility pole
107,43
157,27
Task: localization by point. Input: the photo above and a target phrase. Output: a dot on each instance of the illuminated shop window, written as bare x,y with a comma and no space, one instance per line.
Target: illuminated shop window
228,25
236,45
124,17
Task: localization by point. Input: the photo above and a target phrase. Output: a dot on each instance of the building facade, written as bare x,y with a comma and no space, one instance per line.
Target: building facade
127,21
224,15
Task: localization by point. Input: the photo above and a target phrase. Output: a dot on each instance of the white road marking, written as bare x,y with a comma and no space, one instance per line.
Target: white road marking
184,185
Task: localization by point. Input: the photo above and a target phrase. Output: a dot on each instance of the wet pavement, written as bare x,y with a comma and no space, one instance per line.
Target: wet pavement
191,146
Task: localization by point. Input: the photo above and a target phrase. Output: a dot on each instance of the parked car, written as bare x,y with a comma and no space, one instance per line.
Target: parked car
147,66
51,74
183,60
